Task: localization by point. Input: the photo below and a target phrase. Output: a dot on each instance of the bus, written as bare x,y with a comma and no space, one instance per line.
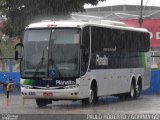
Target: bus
68,60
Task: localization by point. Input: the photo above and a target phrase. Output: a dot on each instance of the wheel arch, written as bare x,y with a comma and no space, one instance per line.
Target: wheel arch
94,83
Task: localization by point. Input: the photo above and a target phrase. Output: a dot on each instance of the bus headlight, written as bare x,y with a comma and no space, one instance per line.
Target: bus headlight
71,86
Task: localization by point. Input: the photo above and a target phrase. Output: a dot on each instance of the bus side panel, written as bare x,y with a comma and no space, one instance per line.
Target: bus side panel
110,81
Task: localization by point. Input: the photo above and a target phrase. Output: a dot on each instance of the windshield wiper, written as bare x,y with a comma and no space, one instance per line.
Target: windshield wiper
55,66
39,65
50,60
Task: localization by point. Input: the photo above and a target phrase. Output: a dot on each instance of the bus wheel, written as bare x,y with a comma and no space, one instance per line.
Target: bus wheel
132,93
138,91
92,98
41,102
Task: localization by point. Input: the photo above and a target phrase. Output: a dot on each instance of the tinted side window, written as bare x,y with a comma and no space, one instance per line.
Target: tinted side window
131,41
102,38
105,39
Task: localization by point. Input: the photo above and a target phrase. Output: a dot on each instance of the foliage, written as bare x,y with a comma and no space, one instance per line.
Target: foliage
7,47
22,12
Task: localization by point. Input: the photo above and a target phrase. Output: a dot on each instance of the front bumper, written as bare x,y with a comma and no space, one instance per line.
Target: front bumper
57,94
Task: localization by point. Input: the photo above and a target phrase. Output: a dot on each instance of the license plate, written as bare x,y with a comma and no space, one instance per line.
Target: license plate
47,94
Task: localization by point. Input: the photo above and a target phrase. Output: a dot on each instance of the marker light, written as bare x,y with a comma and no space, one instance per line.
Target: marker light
52,25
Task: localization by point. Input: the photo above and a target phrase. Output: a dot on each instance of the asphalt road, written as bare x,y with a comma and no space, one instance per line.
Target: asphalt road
146,104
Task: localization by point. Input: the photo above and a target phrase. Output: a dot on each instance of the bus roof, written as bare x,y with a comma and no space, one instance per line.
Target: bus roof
81,24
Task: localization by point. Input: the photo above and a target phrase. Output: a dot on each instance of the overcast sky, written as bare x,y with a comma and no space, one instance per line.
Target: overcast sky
126,2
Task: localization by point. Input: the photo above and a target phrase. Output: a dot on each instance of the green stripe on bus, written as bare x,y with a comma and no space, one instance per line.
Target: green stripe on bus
143,62
28,82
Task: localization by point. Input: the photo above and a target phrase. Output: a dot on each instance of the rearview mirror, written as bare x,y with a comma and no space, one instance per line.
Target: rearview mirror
16,51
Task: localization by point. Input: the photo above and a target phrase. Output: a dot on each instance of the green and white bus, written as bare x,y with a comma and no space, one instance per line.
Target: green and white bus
66,60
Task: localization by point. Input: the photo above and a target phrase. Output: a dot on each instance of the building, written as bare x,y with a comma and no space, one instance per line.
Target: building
130,15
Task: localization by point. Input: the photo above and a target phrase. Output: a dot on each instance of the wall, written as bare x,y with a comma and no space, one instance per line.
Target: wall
153,25
155,83
4,76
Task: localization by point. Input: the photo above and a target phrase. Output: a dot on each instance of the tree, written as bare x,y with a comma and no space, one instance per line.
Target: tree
22,12
6,50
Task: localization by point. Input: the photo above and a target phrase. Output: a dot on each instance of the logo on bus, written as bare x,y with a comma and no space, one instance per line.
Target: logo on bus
67,82
101,60
52,73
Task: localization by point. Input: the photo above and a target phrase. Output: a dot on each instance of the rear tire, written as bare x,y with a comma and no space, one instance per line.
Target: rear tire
138,91
132,93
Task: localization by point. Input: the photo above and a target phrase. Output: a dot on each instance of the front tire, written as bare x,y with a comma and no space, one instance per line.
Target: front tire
92,98
41,102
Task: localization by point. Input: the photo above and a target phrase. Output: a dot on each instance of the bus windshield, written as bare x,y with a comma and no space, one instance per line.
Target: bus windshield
51,53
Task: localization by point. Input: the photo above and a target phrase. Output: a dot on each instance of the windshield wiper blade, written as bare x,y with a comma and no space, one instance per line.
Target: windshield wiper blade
55,66
39,64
